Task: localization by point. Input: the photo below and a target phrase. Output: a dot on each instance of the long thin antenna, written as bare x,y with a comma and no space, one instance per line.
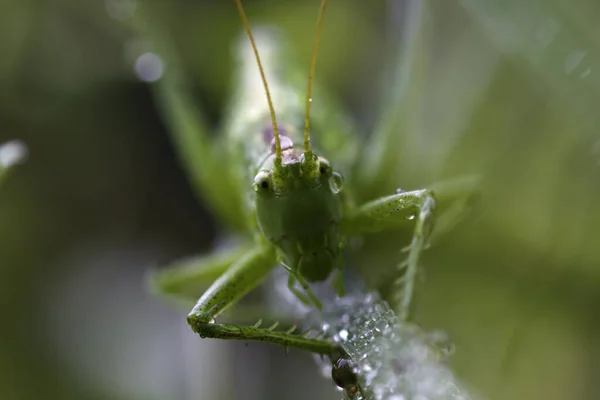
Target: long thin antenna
240,8
313,63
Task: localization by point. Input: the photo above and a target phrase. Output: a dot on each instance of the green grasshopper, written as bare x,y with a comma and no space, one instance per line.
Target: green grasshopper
274,183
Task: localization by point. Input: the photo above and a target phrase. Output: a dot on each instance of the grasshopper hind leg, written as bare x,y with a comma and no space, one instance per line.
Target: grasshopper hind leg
242,276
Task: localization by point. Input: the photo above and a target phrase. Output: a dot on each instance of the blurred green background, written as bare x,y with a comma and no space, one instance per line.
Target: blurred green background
510,90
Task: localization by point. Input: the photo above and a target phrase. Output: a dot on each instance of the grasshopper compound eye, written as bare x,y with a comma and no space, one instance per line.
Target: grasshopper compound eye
325,167
263,182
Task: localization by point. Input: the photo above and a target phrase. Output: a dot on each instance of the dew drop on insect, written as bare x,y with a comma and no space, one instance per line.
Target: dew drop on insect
284,141
149,67
336,183
12,153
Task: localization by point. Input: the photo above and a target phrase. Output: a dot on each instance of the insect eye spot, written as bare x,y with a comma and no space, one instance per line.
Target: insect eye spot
262,182
324,167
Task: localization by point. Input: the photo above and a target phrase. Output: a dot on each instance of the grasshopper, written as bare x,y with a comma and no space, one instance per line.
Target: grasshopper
293,197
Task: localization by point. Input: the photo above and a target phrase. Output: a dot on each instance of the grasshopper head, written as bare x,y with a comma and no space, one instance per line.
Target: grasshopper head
298,209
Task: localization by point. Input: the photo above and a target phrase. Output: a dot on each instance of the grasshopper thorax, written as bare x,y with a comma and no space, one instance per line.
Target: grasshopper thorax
298,208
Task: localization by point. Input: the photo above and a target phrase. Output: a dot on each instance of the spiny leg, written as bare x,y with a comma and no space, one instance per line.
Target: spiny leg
423,228
382,213
188,278
239,279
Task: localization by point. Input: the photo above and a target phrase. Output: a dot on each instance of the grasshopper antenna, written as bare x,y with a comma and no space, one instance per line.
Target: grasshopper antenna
240,8
313,63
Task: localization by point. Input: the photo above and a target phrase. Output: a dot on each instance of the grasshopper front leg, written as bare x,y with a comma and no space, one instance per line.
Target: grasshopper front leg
383,213
241,277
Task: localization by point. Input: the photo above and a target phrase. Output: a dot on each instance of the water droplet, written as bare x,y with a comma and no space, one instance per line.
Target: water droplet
381,325
336,183
400,190
12,153
395,359
149,67
310,100
380,308
343,334
410,217
284,141
573,60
